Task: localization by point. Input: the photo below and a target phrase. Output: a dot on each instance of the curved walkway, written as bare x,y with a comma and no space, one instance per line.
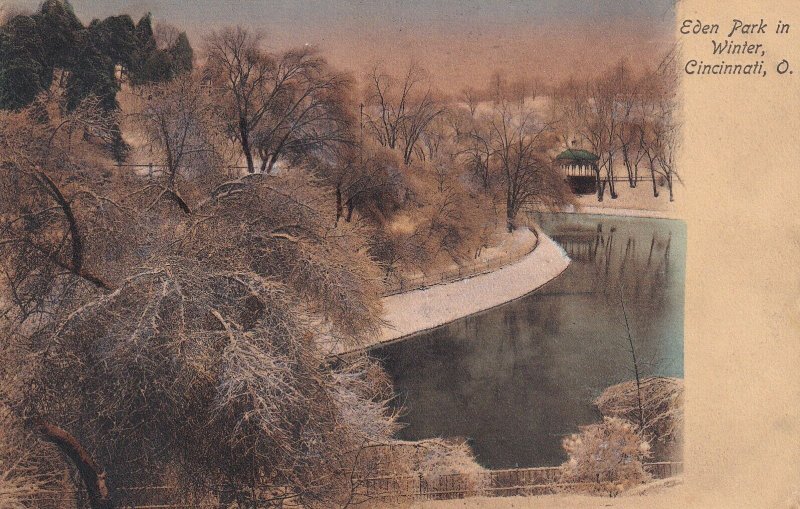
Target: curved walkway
419,310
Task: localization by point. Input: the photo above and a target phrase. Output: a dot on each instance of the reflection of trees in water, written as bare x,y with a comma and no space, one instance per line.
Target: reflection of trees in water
516,378
618,257
636,259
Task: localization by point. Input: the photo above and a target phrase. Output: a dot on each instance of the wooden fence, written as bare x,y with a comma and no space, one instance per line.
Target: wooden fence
498,483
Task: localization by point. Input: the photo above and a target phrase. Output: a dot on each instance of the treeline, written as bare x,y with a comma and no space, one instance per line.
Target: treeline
53,45
624,116
433,181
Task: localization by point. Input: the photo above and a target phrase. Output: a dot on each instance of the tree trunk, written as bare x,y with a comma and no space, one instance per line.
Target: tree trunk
653,176
600,188
248,152
509,211
76,266
272,160
93,476
338,204
610,177
635,363
77,243
669,186
610,182
350,207
628,166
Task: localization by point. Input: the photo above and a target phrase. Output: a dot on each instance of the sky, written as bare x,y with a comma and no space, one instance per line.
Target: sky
461,42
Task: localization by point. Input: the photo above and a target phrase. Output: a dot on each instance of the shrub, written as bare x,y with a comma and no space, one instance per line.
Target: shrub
607,456
662,407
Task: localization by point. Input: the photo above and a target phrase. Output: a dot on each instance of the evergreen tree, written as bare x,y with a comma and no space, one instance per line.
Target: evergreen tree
145,43
182,54
59,31
157,68
92,74
22,73
115,37
33,47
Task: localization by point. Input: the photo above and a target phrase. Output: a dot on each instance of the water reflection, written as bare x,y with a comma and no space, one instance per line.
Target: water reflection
515,379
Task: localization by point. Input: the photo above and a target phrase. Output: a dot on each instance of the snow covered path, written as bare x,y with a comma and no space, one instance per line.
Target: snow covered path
418,310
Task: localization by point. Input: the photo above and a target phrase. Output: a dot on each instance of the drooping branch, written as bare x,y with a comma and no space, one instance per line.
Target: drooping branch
77,259
77,242
92,474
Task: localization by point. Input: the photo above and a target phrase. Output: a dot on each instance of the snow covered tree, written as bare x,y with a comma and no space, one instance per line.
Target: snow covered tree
182,133
399,111
661,411
190,346
277,105
608,455
512,148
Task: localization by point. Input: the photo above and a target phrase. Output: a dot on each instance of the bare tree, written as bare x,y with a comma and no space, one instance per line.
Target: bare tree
477,148
576,121
628,134
310,115
659,136
649,134
521,142
242,74
277,104
668,128
182,132
364,178
399,111
471,98
595,112
607,112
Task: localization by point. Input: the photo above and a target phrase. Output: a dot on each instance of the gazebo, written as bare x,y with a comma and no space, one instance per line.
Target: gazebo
579,168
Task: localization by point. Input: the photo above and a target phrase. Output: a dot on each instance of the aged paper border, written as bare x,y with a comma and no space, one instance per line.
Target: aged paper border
741,162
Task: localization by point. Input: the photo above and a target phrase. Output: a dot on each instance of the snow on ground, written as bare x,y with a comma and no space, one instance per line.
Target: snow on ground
638,202
663,497
619,211
418,310
505,248
521,242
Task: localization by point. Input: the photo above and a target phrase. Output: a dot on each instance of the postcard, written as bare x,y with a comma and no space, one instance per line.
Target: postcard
378,254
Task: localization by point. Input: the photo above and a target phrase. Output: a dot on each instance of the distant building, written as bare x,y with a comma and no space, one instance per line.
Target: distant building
579,168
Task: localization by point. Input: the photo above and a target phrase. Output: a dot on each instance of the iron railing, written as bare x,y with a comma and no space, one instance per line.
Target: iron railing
397,283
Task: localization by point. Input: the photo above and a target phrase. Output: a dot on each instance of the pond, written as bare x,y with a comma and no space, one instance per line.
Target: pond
515,379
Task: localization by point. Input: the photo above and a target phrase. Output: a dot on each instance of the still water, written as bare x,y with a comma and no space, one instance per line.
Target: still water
515,379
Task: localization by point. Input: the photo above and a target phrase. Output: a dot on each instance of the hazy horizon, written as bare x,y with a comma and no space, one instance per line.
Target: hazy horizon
460,42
